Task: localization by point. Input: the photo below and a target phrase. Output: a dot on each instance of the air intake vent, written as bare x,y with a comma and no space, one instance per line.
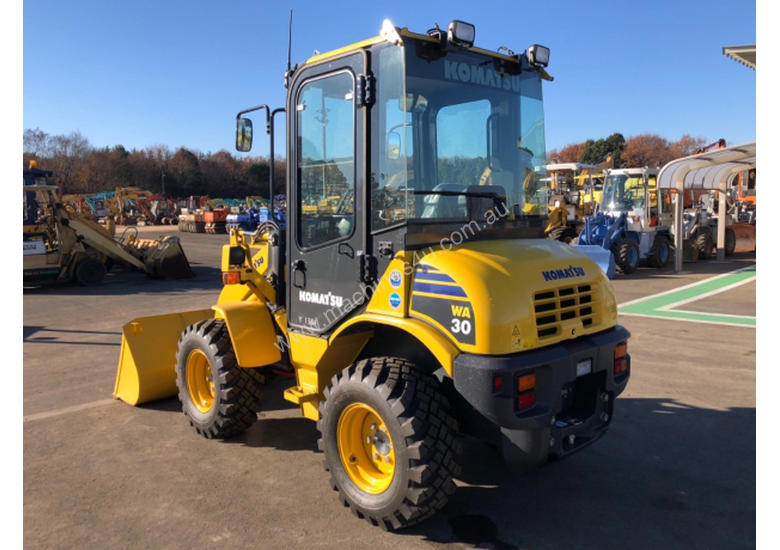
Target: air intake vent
562,304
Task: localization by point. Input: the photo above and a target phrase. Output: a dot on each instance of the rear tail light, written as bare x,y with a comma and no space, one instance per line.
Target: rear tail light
526,386
621,359
526,400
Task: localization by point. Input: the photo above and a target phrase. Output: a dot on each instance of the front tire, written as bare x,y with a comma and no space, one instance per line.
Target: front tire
626,254
220,398
731,241
563,233
90,271
389,442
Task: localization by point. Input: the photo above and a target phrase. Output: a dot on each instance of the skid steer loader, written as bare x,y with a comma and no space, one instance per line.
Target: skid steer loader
422,307
61,245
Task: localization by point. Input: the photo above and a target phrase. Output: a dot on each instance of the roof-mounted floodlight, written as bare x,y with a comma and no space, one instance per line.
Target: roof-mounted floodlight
538,56
461,34
390,33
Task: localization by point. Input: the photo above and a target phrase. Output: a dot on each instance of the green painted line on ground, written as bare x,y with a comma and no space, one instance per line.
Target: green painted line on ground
658,305
701,317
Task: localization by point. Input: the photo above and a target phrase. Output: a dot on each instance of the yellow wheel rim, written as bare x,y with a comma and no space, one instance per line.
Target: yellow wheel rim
200,384
365,448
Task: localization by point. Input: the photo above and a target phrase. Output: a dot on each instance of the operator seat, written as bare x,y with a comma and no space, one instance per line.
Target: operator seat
445,206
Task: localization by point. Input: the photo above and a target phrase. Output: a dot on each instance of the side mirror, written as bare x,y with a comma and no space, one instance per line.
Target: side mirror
243,134
393,145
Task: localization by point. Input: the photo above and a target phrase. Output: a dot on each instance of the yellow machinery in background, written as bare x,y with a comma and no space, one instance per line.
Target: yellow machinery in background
61,245
575,193
455,315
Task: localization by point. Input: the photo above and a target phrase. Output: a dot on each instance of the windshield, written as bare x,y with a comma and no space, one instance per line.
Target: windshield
456,136
624,192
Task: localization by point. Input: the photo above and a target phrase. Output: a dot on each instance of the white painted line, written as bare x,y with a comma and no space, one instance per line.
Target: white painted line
664,293
707,295
752,317
68,410
664,318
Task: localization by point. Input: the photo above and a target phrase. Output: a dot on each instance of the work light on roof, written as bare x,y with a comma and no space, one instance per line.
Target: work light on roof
390,33
538,56
460,34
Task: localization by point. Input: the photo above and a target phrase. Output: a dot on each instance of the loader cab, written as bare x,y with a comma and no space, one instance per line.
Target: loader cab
40,232
401,146
634,191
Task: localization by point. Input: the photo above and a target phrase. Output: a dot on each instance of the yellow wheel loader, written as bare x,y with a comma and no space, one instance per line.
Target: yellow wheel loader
61,245
453,316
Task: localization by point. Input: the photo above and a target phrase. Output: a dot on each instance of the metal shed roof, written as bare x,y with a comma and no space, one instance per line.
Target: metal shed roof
742,54
709,170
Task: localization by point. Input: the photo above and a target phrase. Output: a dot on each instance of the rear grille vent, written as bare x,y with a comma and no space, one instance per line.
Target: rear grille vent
562,304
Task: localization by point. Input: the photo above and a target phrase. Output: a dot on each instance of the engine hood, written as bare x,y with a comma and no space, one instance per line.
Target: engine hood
503,296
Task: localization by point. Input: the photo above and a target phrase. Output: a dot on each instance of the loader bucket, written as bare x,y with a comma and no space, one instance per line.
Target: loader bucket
164,259
745,237
147,358
601,256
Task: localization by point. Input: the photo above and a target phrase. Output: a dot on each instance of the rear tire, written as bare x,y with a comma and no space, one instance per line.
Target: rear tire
704,245
626,254
389,442
661,251
89,271
220,398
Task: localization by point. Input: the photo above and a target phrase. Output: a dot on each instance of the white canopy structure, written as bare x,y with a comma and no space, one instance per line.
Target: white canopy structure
742,54
708,171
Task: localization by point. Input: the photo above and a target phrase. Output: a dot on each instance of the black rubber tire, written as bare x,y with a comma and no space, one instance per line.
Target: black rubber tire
423,432
89,271
237,390
626,254
563,233
731,242
661,251
704,244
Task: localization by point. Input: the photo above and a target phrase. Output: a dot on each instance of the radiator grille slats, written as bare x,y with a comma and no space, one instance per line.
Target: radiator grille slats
551,307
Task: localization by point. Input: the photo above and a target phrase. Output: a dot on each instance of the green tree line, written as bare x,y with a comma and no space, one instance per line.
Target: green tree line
83,168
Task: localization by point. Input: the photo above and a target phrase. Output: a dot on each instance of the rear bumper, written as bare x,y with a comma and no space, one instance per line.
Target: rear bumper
571,411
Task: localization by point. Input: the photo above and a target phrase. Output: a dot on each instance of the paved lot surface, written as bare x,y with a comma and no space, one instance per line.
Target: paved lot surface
677,469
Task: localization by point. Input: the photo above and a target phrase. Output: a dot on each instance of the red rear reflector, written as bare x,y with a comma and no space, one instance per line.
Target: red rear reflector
498,383
231,278
526,400
527,382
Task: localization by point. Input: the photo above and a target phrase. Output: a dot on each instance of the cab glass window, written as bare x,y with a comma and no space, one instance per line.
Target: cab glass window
326,159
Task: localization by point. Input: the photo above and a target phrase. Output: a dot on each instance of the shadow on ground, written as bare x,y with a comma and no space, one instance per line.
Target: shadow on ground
667,475
120,282
705,267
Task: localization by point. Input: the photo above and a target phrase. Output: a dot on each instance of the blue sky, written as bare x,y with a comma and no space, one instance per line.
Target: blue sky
171,72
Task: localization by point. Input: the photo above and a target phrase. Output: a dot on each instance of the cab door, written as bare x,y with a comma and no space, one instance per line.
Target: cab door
327,233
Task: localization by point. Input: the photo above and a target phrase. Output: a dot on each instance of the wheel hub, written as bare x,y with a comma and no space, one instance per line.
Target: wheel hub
365,448
200,382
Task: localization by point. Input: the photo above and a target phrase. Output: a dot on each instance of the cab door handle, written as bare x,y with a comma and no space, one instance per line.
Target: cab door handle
299,274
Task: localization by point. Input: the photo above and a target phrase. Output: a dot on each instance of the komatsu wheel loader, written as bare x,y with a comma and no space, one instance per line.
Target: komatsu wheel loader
423,306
